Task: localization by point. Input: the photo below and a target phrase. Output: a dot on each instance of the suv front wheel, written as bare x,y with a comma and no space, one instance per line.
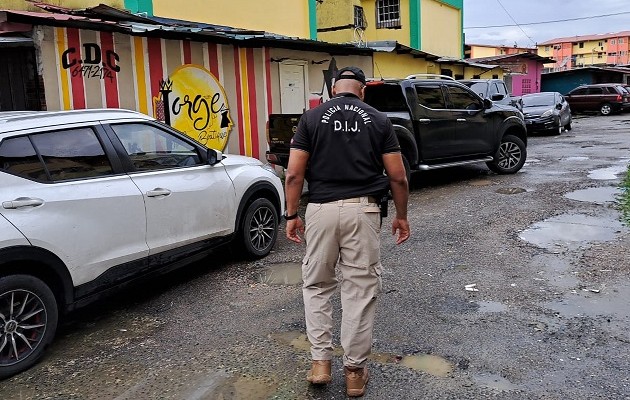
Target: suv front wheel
260,228
28,320
510,156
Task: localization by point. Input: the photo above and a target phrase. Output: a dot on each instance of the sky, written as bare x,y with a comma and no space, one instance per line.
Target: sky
484,13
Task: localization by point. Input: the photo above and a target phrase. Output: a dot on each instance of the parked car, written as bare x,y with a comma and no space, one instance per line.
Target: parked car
94,199
546,112
495,90
607,98
439,123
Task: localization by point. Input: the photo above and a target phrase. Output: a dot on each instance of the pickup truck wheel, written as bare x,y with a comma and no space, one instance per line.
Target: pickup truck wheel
510,156
28,320
259,228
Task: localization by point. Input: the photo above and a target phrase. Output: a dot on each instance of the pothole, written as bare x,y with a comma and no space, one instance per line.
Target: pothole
282,274
609,173
493,381
597,195
511,190
571,231
491,307
592,302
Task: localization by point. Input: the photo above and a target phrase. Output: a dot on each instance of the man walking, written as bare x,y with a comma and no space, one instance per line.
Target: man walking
341,148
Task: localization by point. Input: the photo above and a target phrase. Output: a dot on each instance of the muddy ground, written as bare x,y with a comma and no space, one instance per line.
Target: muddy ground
550,317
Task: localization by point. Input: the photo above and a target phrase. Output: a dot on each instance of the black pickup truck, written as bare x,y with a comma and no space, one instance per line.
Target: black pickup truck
439,123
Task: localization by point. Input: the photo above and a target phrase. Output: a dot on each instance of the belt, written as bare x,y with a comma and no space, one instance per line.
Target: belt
370,199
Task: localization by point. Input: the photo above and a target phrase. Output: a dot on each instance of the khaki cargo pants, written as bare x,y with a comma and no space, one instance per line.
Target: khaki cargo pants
344,233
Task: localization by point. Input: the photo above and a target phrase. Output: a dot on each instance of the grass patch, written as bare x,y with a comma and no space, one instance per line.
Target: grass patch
624,198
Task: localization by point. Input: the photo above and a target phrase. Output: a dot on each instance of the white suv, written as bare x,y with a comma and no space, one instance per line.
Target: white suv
92,199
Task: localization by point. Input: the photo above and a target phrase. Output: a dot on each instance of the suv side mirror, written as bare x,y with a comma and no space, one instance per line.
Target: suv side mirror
497,97
214,156
487,103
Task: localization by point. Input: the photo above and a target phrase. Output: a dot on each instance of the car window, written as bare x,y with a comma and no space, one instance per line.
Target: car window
478,87
493,90
18,157
72,154
151,148
595,90
386,97
580,91
502,89
431,97
463,100
538,100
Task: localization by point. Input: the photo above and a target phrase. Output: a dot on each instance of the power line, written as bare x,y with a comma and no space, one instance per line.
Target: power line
513,20
548,22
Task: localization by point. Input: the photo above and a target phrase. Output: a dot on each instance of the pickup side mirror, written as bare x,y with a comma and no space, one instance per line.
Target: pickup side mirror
497,97
487,103
214,156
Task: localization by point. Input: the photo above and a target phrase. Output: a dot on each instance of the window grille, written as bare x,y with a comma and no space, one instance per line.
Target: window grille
388,14
359,18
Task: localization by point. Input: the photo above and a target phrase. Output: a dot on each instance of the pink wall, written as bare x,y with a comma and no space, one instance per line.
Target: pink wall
529,81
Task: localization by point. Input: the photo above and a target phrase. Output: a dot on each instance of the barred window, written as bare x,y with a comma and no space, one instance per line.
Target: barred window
359,18
388,14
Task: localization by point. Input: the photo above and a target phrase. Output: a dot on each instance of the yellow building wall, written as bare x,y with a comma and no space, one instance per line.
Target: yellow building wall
402,35
482,51
390,65
289,18
24,5
336,13
441,29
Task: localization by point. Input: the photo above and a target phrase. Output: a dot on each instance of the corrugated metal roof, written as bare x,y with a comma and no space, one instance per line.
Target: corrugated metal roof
503,57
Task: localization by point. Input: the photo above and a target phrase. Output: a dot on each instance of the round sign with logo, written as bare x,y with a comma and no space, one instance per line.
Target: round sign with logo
199,106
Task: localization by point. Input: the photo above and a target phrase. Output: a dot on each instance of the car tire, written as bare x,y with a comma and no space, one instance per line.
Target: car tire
510,156
568,127
259,228
28,318
605,109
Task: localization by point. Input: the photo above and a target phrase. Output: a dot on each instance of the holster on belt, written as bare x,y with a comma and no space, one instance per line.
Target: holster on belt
383,204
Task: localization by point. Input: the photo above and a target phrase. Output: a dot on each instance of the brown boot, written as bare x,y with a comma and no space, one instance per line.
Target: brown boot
320,372
356,380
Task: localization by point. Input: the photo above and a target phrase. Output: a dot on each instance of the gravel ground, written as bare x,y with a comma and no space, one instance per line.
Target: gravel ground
550,319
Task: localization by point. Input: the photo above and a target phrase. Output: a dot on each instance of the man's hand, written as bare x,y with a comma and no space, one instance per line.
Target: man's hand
295,228
400,226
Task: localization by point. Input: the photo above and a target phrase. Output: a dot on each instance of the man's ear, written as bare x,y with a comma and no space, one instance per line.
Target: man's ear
362,93
334,91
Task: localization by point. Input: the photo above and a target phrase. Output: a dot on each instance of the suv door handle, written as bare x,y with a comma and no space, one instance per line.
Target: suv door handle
22,202
157,192
424,120
461,119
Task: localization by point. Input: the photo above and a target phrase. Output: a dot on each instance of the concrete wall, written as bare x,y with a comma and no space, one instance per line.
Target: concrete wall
442,28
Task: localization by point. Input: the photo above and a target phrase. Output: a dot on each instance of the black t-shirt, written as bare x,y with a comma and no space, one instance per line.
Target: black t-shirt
346,140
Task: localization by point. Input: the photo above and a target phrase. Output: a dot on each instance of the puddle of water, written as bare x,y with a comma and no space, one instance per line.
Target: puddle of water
481,182
222,386
492,381
511,190
597,195
282,274
609,301
555,270
571,231
609,173
491,307
431,364
532,161
576,158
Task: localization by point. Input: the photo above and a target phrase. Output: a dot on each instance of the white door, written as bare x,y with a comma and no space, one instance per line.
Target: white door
186,199
76,207
293,94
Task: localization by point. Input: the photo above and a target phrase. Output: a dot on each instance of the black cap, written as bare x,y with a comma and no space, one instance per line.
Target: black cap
357,74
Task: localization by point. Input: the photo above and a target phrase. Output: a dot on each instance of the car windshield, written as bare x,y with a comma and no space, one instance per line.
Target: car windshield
538,100
478,87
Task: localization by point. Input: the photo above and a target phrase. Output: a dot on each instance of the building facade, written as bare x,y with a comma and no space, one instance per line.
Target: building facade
217,88
585,51
486,50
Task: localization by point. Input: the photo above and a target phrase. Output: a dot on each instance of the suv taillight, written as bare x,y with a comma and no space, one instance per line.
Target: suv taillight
618,97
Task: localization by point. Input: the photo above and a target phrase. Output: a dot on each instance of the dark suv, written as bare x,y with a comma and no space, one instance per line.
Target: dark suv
606,98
